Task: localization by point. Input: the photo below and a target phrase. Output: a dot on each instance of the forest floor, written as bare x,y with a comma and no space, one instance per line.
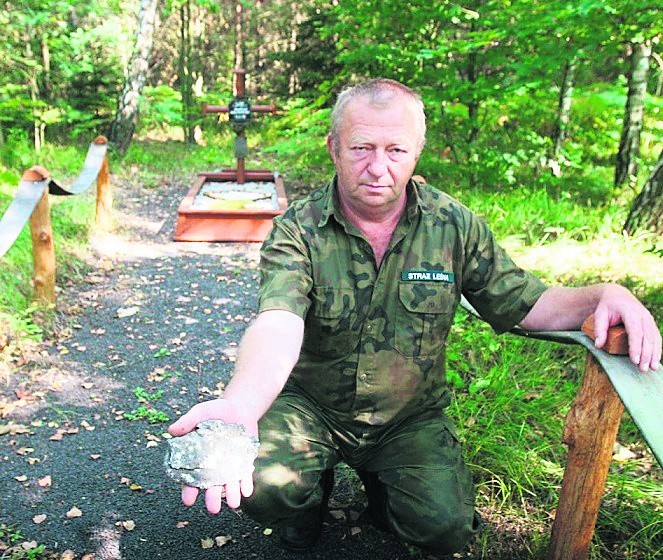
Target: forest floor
150,329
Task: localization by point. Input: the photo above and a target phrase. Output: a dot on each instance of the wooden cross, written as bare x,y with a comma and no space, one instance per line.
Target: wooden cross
240,111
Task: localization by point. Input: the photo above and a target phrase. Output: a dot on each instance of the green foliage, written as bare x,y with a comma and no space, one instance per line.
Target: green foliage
152,415
11,536
489,74
142,395
297,141
156,160
146,410
161,107
62,65
70,220
16,152
162,353
21,323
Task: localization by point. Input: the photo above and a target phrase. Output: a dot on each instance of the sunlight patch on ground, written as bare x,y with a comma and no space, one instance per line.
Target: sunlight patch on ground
117,246
612,259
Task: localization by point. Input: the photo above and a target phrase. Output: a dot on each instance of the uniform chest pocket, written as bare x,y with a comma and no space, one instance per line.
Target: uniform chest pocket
423,317
330,330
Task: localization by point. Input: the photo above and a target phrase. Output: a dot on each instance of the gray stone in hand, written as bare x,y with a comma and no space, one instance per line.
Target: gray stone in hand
211,455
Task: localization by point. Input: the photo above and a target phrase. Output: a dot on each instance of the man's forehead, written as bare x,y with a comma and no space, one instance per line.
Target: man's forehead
368,123
364,133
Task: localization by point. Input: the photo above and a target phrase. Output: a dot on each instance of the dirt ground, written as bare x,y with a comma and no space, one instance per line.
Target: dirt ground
150,329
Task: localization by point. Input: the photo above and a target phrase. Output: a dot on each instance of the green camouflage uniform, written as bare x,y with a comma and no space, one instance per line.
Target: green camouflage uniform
370,388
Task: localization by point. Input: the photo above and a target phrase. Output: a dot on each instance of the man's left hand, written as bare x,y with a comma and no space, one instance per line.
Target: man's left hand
617,305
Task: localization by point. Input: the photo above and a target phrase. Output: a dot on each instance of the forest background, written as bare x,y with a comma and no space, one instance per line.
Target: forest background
544,117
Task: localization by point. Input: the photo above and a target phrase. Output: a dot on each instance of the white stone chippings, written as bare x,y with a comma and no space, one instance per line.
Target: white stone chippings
211,455
257,195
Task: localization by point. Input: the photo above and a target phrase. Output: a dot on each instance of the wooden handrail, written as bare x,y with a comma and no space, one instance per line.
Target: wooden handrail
43,250
611,384
31,204
590,430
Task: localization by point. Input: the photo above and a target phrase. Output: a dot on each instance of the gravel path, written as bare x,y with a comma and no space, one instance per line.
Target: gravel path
149,331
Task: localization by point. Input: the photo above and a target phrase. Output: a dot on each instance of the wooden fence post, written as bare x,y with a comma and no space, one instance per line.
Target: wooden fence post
104,191
43,250
590,430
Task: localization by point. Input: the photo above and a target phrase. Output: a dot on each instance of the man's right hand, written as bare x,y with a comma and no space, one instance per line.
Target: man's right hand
225,410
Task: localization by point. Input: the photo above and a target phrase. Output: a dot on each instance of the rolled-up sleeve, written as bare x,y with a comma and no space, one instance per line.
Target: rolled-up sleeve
502,292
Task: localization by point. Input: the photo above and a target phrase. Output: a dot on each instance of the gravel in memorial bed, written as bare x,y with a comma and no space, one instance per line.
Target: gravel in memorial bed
252,195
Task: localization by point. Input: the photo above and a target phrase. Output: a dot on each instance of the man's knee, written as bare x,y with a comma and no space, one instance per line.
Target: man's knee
280,494
441,534
271,498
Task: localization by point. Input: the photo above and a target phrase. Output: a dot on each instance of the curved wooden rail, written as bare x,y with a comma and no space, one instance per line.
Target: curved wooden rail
30,203
611,384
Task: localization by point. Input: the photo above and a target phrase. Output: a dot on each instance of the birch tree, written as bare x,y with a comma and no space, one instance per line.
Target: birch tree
126,117
629,145
647,209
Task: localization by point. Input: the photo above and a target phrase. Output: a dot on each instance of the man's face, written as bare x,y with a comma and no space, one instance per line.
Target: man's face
376,154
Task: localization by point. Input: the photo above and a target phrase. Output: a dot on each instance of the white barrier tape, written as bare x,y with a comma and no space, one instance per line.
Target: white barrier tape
29,192
19,211
88,175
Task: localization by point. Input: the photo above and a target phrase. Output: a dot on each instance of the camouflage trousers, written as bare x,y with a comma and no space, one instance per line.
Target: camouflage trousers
416,480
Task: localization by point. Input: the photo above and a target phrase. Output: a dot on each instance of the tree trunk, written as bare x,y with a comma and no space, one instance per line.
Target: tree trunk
647,209
473,107
564,104
629,146
239,35
659,81
185,81
126,117
34,97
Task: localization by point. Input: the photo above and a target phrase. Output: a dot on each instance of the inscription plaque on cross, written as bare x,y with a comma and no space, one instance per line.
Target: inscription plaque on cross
240,111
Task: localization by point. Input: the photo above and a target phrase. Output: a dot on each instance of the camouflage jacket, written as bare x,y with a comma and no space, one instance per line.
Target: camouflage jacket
374,340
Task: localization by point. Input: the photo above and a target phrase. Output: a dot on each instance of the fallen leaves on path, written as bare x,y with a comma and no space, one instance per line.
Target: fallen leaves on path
61,432
128,525
39,518
123,312
219,541
13,429
45,481
222,540
74,512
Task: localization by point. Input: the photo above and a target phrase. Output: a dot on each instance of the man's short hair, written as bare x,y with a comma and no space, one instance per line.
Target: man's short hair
380,92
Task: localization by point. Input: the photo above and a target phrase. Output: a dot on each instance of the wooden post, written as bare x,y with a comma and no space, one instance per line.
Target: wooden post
104,191
590,430
43,250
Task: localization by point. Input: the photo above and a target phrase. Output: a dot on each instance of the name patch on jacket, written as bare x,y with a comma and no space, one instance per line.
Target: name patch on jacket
427,276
